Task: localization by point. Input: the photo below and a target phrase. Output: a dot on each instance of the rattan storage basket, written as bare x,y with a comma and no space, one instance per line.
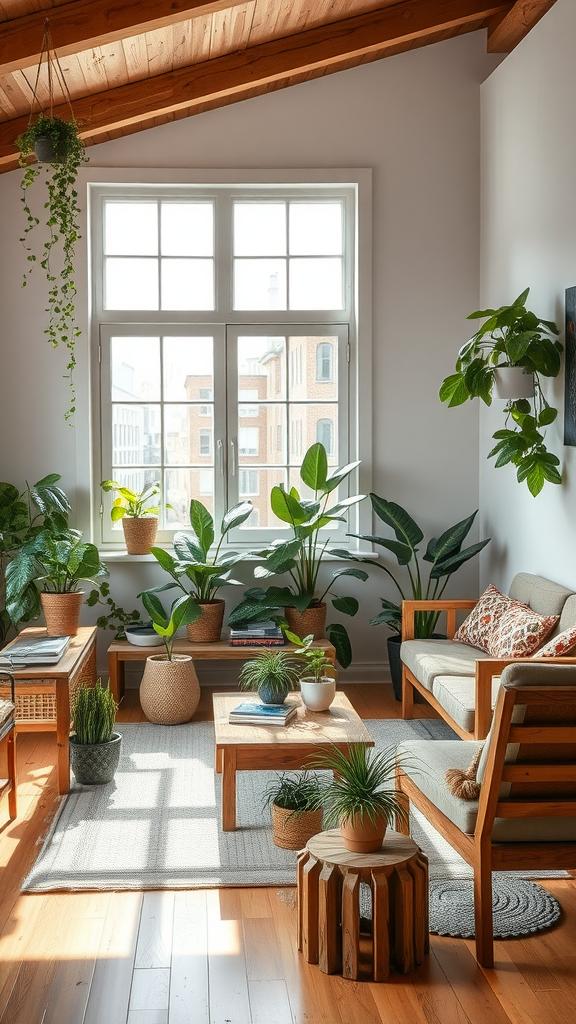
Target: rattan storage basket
169,691
62,612
312,620
139,533
207,629
292,831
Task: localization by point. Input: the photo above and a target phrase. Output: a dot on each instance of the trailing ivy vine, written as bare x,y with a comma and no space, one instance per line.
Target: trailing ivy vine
62,221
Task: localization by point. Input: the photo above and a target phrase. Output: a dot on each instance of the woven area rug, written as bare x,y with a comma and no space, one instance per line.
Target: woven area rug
157,826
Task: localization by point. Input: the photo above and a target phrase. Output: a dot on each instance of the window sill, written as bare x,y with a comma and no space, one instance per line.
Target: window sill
119,555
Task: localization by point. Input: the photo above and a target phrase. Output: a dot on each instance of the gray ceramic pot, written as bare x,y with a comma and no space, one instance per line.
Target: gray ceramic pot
94,764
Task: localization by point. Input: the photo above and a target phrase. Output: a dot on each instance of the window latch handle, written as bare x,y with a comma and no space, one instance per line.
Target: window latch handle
233,448
220,447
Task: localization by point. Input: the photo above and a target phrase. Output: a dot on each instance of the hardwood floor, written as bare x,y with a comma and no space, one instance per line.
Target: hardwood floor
229,956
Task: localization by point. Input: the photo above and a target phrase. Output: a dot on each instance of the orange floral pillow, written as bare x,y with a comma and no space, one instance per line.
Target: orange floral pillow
504,628
558,645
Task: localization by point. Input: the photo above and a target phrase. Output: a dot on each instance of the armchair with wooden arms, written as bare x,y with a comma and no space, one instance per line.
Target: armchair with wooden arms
525,815
8,740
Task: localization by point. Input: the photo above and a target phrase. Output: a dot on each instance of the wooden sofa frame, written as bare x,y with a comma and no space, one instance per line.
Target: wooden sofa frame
478,849
486,669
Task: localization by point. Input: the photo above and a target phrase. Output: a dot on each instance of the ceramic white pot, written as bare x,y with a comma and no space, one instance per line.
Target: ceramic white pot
317,696
513,382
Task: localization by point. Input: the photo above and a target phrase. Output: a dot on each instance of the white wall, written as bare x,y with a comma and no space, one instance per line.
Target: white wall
528,239
413,119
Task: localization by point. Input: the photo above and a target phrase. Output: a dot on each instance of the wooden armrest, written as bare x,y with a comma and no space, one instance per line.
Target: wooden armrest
410,607
486,669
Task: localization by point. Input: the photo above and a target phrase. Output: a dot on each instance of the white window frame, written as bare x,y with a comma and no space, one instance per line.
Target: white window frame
357,184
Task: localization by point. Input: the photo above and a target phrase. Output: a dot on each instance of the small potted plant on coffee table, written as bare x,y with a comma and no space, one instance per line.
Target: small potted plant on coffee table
94,746
272,674
318,675
361,799
296,802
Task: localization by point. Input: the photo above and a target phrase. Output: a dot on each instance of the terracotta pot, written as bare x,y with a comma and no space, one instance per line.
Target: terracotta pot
207,629
312,620
62,612
291,831
169,691
317,696
139,533
361,836
512,382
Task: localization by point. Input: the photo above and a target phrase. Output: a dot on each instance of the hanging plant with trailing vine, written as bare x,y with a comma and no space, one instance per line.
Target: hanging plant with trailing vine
58,171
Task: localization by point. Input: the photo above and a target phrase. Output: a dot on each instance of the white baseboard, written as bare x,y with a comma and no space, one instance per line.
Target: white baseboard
219,674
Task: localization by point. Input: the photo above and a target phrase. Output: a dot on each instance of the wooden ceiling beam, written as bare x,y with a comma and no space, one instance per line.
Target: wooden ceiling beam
261,68
83,24
505,31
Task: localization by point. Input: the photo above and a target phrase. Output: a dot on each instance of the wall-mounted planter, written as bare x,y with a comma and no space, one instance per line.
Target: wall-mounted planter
513,382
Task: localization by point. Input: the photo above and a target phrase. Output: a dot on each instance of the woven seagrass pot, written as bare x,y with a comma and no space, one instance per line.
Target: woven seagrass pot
94,764
312,620
169,691
207,629
139,533
62,612
291,831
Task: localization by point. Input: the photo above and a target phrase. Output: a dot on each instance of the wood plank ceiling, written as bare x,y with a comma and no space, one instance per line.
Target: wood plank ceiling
145,62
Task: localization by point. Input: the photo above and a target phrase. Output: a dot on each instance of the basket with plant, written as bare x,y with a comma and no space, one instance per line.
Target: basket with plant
295,799
94,746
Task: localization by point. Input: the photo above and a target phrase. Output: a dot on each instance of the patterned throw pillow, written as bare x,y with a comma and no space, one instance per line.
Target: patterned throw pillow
558,645
504,628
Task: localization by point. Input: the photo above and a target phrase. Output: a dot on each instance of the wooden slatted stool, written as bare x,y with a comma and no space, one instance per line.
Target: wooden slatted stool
329,878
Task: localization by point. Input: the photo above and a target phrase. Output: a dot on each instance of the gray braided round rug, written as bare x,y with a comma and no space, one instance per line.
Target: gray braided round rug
520,907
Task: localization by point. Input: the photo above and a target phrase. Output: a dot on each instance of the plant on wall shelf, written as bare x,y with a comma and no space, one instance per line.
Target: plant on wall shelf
512,336
59,152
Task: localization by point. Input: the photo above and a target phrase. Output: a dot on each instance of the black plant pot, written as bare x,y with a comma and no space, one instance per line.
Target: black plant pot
45,151
395,661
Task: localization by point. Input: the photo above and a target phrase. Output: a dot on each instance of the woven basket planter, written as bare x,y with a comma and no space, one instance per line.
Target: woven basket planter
312,620
62,612
139,533
291,831
207,629
94,764
169,691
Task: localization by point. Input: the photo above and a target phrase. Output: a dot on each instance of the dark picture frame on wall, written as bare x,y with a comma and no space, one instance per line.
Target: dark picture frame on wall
570,374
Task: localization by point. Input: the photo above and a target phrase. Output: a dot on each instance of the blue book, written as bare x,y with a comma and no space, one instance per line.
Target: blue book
253,713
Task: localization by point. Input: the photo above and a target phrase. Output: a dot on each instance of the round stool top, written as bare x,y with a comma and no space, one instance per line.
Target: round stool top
329,848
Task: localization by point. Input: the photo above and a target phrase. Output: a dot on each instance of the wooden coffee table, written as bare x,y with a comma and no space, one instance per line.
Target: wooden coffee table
262,747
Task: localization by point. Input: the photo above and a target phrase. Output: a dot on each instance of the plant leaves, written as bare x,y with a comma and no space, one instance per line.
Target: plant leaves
453,390
235,516
449,565
338,636
401,522
315,467
203,526
347,605
286,507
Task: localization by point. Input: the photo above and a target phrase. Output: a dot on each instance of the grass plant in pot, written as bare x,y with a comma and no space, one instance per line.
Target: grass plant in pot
94,746
444,554
317,676
301,557
138,517
361,799
57,562
295,799
169,691
198,573
272,674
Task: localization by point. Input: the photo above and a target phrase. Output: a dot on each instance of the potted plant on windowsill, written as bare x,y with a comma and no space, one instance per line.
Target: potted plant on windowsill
512,339
57,562
169,691
94,746
444,554
295,799
317,677
139,519
361,799
199,574
272,674
301,558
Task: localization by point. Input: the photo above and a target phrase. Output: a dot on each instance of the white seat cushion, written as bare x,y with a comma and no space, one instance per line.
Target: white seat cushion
427,659
457,696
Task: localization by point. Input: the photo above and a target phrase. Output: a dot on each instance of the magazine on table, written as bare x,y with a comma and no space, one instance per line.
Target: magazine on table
34,650
251,713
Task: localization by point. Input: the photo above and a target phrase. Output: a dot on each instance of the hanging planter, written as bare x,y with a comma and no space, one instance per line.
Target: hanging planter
59,151
513,382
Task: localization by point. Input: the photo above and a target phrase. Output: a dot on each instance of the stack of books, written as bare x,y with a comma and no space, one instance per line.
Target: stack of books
34,650
252,713
257,634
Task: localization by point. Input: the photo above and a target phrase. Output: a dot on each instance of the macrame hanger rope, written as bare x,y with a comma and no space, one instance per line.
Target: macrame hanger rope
55,72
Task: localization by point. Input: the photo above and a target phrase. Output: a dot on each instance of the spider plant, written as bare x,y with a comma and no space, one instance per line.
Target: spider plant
362,789
272,674
295,791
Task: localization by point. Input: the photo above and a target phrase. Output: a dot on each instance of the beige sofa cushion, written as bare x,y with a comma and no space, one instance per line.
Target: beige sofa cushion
457,696
427,659
543,596
427,761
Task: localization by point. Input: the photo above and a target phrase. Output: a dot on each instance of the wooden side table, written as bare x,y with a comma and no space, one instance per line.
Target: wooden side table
329,878
44,693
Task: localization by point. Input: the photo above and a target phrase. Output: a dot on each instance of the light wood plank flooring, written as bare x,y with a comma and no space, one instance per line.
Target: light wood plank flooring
229,956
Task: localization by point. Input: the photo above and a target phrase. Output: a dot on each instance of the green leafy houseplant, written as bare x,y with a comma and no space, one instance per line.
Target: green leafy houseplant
445,555
295,799
512,336
115,618
62,222
94,746
132,504
192,568
182,612
272,674
23,515
301,557
361,796
316,665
